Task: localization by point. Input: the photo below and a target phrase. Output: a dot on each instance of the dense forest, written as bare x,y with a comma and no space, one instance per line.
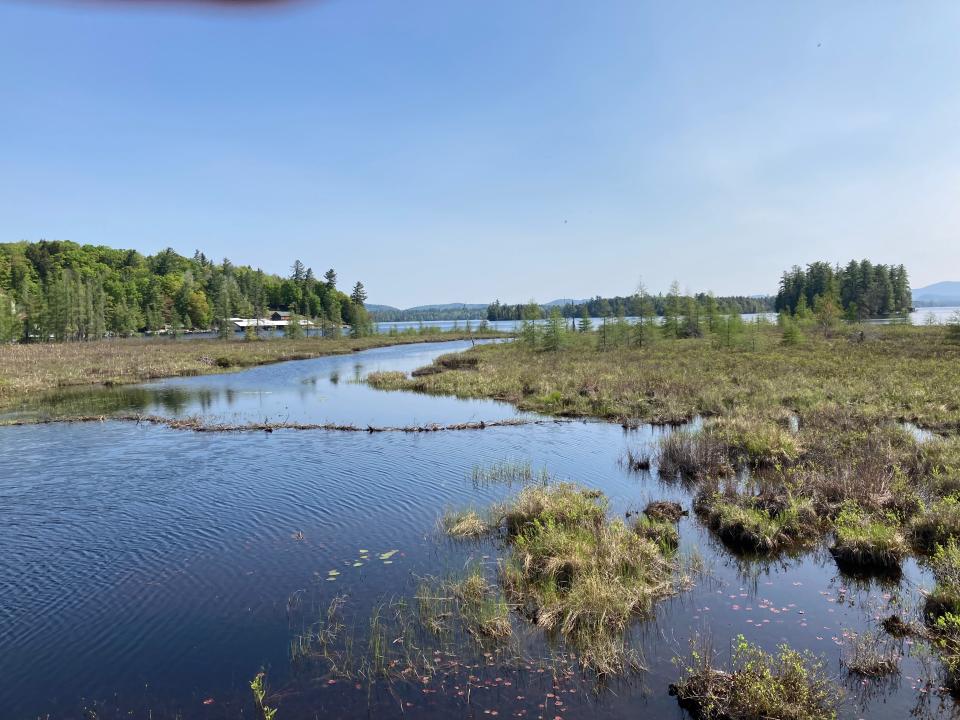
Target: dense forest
632,306
861,289
64,291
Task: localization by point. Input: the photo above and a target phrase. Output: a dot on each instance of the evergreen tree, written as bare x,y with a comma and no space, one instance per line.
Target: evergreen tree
359,295
293,330
330,278
586,324
529,330
556,331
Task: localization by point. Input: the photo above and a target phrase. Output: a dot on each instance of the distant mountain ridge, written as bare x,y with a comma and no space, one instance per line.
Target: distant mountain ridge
946,292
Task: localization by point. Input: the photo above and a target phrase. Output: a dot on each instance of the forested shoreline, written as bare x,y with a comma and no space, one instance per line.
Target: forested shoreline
65,291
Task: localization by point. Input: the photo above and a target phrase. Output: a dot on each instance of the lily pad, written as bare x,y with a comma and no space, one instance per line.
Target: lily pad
333,573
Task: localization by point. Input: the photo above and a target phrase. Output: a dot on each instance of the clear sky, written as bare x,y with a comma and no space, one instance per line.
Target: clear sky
458,151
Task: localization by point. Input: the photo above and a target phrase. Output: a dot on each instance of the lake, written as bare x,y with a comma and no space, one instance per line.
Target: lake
151,573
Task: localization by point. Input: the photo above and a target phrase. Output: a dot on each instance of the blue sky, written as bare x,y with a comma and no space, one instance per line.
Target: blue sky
461,151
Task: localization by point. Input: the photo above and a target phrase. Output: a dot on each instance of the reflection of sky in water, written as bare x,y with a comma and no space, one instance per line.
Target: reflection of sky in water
321,390
155,567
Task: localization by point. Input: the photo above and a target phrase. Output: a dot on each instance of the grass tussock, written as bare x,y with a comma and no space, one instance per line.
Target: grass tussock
693,455
573,572
482,606
509,474
867,543
759,523
660,531
937,524
465,524
870,655
786,685
664,510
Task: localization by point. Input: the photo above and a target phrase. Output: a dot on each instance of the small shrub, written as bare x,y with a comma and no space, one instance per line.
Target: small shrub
788,685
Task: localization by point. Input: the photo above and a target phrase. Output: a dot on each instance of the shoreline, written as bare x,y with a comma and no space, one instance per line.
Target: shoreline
30,371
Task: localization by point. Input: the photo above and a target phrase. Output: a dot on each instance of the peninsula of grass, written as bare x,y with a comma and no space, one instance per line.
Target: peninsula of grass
893,372
30,370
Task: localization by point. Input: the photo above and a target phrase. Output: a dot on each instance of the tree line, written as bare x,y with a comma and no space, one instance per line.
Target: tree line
860,290
630,306
65,291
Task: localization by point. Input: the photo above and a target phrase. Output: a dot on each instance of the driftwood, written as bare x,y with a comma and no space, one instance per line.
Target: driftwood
197,424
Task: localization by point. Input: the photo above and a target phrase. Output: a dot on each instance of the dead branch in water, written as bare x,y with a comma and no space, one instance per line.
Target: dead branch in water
197,424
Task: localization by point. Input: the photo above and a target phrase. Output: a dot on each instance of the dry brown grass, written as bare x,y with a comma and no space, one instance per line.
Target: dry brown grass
32,369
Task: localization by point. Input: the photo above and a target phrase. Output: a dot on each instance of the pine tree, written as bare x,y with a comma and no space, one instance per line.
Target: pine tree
330,278
359,295
297,272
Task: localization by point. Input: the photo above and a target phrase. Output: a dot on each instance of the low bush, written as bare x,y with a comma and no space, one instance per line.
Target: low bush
788,685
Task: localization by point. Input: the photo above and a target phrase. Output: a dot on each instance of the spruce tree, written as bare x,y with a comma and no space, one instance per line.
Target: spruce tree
586,324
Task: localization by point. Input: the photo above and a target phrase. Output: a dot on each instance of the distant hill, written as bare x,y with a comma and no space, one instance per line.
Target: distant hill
940,293
443,311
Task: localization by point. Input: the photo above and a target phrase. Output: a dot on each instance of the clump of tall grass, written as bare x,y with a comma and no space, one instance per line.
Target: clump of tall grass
786,685
575,573
564,504
660,531
509,474
693,455
482,606
936,525
664,510
866,542
387,380
944,599
465,524
758,523
870,655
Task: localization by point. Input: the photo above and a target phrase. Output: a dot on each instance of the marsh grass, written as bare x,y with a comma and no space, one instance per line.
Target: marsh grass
465,524
759,523
937,524
573,572
870,655
482,606
786,685
663,532
867,543
904,372
509,474
28,370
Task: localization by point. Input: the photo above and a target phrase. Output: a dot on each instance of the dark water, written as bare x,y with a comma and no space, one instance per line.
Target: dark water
144,571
